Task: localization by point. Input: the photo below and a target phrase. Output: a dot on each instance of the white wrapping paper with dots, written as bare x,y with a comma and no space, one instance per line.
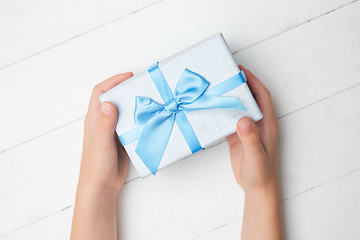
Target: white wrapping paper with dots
212,60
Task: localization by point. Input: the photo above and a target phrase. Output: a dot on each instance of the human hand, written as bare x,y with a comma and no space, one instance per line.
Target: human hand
104,161
253,148
103,168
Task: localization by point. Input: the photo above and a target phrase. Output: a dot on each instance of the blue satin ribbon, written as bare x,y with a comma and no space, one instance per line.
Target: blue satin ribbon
156,120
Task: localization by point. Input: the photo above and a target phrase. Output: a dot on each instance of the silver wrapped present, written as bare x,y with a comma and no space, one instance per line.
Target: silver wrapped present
210,59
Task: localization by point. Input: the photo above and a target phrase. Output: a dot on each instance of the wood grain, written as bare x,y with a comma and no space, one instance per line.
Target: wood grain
54,227
329,211
313,75
30,27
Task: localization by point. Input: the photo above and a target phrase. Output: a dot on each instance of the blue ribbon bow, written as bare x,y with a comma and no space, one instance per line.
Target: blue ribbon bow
158,119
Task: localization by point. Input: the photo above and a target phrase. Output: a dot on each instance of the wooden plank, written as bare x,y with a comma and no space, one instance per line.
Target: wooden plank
54,227
310,62
29,185
29,27
39,178
319,143
330,211
67,73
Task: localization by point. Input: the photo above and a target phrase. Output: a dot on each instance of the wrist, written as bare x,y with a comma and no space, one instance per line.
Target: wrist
262,209
270,189
98,192
94,212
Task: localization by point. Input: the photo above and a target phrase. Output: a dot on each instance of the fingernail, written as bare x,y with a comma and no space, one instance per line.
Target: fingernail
106,109
246,126
241,66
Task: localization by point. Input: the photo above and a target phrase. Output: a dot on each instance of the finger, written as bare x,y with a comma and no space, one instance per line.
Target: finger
105,86
94,105
261,95
268,126
110,83
232,139
249,138
104,135
123,157
236,154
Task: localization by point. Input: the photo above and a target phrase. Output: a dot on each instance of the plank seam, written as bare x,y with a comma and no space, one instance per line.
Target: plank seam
307,21
320,100
3,235
214,229
45,133
334,179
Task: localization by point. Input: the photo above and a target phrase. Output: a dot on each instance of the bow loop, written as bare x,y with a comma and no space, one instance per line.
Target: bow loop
145,109
190,87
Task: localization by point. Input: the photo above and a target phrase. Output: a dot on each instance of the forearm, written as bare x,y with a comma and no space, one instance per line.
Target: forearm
262,215
94,214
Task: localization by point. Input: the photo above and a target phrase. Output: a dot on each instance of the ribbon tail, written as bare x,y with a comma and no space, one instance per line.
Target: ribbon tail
154,139
210,101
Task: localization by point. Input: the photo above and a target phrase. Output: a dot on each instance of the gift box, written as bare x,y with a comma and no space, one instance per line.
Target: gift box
181,105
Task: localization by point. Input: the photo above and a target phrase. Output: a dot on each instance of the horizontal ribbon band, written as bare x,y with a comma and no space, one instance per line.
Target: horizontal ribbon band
157,120
218,90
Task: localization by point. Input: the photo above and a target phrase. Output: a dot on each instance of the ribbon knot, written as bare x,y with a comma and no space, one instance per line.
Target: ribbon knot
172,106
158,119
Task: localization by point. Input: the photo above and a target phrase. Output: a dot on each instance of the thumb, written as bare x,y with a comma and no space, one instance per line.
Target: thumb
104,135
249,138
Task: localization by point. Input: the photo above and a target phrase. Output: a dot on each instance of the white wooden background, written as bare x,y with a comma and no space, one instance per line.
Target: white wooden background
306,52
